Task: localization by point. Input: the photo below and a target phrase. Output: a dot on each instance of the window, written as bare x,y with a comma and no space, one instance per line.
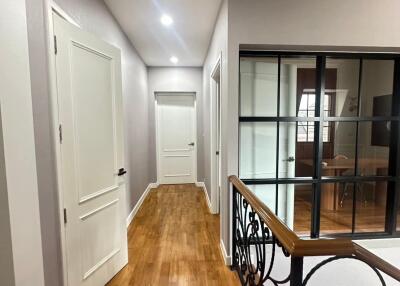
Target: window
316,140
305,130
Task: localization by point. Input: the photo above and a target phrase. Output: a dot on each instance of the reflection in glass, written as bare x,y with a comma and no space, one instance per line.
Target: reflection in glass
336,208
295,157
304,150
371,207
377,87
257,150
294,204
341,87
302,195
266,193
373,150
339,150
258,86
298,78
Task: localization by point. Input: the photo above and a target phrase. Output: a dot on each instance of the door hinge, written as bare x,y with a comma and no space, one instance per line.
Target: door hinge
55,45
65,215
60,133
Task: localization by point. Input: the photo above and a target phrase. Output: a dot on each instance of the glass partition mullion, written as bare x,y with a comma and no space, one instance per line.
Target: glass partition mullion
318,144
353,223
278,95
393,188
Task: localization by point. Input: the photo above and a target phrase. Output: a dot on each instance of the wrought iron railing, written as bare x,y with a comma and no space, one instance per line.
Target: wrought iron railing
258,236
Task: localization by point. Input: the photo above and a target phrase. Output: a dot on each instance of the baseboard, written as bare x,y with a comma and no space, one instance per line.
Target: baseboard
203,186
139,203
227,258
154,185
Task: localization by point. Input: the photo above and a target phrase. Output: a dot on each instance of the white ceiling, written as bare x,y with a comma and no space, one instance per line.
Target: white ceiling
187,38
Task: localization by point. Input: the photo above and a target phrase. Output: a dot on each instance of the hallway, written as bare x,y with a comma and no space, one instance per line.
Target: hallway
174,240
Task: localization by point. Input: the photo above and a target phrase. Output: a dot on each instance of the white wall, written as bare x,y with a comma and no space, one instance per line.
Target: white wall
19,146
218,46
179,79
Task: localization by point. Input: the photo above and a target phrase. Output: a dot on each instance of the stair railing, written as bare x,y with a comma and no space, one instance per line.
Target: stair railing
258,234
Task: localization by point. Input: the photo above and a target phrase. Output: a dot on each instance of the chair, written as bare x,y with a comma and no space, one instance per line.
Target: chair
345,185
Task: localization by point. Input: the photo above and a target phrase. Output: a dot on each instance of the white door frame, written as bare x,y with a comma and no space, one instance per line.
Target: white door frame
165,93
51,8
215,171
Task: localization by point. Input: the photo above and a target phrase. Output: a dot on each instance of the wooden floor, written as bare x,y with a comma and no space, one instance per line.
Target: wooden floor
174,240
370,217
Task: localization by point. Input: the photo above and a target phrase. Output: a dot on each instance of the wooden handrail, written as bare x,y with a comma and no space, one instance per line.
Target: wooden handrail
299,247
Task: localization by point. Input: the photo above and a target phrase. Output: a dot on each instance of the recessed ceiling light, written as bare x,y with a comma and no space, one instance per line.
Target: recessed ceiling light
166,20
174,60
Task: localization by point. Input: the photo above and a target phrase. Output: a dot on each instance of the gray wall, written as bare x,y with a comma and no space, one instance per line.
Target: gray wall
93,16
164,79
218,45
6,257
19,154
45,164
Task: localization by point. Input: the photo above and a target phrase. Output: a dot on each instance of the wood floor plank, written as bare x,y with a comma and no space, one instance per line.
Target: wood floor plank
174,240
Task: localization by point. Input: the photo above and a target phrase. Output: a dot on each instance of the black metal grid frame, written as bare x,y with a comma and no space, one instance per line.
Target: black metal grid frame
392,179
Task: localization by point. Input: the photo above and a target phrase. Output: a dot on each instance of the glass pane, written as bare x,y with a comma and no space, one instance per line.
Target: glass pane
295,152
373,150
257,150
298,219
302,113
310,133
336,208
371,207
339,150
327,102
290,160
294,203
258,86
302,133
304,102
297,82
266,193
377,87
341,86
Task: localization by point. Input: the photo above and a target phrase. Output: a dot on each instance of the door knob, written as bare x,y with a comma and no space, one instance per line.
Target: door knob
191,144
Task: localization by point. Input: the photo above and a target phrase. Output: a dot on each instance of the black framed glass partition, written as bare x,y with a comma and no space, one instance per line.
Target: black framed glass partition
318,139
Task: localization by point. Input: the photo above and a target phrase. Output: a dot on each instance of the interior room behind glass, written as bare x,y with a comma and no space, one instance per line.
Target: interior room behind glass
279,108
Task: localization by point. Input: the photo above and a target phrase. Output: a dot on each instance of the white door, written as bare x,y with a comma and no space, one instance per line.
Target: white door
91,135
176,138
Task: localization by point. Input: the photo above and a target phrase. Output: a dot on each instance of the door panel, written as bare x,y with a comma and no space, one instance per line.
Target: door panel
90,114
176,127
93,114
